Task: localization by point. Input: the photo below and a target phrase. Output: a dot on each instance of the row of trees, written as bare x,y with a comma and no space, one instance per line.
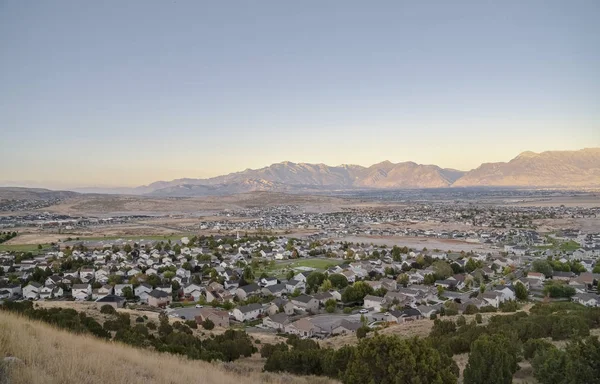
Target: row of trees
380,359
5,236
164,337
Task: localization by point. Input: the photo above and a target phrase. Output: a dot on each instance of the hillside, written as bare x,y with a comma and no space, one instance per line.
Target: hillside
564,169
18,193
570,169
292,177
53,356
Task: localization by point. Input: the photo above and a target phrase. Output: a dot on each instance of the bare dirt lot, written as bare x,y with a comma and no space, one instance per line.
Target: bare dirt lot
419,243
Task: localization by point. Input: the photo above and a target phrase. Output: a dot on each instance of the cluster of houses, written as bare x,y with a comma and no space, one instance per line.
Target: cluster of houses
157,277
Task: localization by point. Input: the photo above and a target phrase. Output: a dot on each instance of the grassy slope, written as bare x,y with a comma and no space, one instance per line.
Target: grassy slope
55,356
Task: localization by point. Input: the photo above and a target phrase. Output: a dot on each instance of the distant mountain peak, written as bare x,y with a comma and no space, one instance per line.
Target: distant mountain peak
546,169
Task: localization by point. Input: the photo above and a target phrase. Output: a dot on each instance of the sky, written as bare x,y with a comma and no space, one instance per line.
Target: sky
124,93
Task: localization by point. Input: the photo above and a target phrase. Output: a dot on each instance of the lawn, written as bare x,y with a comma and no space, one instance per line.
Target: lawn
315,263
569,246
33,248
280,267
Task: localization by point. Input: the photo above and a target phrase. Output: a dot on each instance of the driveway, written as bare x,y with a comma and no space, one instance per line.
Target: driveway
190,312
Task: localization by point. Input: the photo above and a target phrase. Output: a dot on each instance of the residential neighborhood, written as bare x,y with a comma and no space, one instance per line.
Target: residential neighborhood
309,287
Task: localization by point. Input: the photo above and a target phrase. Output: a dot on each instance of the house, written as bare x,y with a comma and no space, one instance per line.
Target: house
119,289
14,290
158,298
112,300
374,302
81,291
306,303
248,312
246,291
280,305
277,321
427,311
492,298
142,291
32,290
102,291
587,299
166,288
303,327
323,297
536,275
194,291
274,290
507,293
268,281
293,284
219,317
346,327
562,276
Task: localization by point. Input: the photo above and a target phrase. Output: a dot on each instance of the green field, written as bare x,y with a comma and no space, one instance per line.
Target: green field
33,248
569,246
314,263
280,268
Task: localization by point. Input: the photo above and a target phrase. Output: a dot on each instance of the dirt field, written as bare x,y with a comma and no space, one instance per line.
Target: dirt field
419,243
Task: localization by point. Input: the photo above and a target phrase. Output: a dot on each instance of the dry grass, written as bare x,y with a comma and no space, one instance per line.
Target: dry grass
52,356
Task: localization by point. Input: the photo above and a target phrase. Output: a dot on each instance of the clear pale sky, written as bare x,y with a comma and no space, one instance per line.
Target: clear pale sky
122,92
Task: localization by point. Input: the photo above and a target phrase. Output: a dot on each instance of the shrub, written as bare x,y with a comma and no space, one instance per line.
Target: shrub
151,325
478,318
139,319
347,310
487,309
361,332
461,321
108,309
192,324
208,324
433,316
471,310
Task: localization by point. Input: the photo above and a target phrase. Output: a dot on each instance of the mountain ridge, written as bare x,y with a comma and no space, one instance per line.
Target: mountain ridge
579,168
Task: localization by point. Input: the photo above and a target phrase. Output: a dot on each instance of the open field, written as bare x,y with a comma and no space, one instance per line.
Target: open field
419,243
50,355
107,205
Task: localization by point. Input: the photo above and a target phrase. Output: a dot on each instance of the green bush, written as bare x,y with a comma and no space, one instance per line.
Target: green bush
108,309
208,324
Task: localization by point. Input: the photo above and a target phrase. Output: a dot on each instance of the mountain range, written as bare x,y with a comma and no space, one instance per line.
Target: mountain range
560,169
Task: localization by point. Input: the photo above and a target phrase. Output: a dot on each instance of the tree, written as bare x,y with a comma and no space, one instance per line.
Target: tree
356,292
578,363
290,274
521,291
542,266
127,248
493,360
330,305
326,286
403,279
442,269
314,280
361,332
248,274
396,253
208,324
338,281
128,293
389,359
471,265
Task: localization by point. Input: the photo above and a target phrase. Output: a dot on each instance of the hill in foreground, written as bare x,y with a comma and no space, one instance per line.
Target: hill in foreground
50,355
